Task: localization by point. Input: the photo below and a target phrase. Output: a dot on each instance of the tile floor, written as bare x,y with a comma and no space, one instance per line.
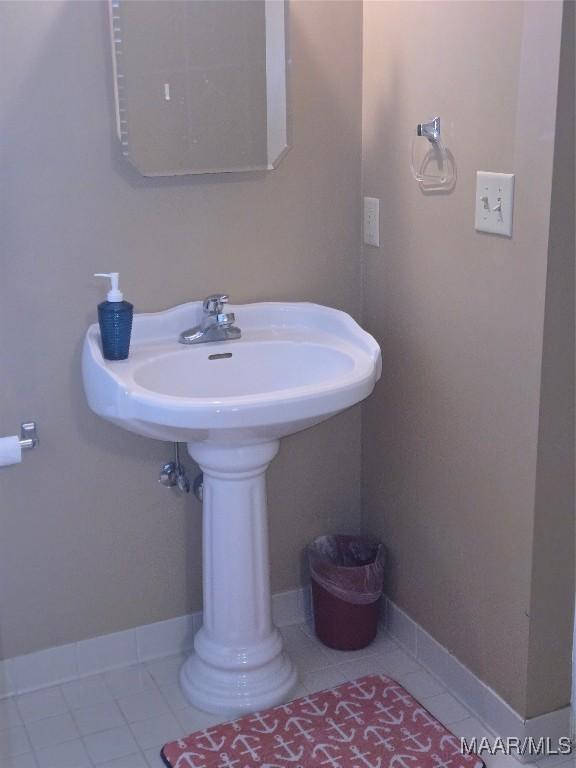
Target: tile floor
120,719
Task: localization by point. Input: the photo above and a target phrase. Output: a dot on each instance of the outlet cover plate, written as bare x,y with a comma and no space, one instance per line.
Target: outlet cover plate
372,221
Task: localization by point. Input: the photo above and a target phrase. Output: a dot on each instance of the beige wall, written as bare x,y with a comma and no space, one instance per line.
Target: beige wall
452,450
467,470
89,542
553,544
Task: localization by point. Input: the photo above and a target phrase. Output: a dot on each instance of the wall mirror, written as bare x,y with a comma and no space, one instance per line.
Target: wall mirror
200,85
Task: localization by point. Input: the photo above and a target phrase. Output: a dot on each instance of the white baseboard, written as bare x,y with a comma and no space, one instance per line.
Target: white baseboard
478,697
99,654
63,663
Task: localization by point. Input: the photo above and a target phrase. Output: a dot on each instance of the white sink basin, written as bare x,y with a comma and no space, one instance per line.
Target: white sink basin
294,366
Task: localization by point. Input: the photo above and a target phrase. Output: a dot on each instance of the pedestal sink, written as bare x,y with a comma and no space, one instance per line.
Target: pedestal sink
231,401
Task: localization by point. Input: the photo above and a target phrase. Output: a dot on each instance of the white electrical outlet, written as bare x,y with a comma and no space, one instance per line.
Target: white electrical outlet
494,202
372,221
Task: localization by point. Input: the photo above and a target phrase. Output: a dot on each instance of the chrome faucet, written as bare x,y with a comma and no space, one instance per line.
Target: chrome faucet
216,325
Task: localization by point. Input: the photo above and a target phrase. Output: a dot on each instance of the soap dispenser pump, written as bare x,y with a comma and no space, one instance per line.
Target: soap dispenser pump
115,319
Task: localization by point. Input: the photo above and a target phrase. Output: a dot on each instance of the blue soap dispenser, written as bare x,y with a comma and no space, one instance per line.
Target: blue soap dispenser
115,319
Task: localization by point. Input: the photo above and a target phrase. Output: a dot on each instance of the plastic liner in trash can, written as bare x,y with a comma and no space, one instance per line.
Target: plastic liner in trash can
347,574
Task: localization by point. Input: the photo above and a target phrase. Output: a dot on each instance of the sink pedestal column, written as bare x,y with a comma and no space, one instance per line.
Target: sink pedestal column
238,665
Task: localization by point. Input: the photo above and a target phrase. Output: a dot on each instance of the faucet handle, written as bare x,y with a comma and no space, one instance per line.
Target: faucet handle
214,304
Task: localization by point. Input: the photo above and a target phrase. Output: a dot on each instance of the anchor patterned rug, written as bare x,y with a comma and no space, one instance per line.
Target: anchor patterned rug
371,722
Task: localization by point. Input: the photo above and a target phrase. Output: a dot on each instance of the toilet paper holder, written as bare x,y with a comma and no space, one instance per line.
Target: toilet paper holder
28,435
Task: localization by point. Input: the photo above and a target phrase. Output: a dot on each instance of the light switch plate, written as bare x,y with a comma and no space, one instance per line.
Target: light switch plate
494,202
372,221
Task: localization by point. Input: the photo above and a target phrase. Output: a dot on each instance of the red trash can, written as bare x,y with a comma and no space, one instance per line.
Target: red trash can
347,574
